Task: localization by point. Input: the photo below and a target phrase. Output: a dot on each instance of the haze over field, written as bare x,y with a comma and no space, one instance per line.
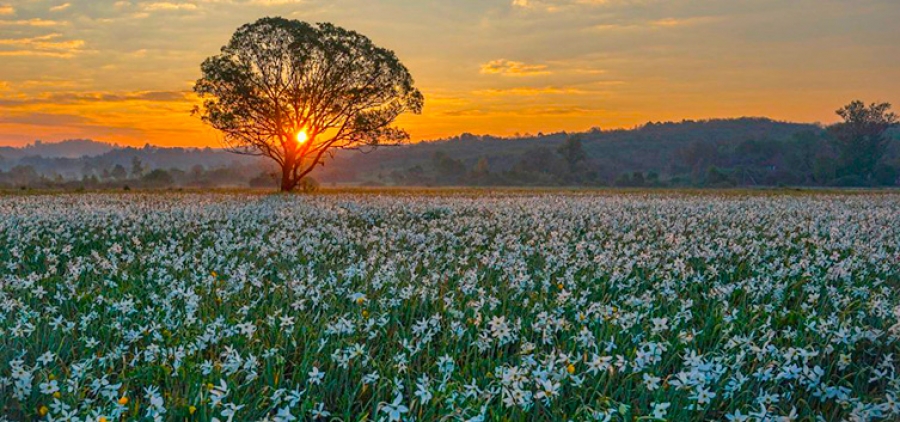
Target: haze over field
122,71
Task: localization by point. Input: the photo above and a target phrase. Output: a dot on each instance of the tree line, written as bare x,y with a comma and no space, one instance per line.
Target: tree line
860,151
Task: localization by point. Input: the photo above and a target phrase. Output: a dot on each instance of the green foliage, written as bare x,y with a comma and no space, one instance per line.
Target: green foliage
860,137
488,305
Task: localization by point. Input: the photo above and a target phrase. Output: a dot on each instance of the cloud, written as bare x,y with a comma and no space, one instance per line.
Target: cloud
469,112
529,91
256,2
32,22
81,97
557,111
547,6
512,68
559,5
657,23
50,83
44,45
61,7
44,119
6,9
4,86
274,2
165,6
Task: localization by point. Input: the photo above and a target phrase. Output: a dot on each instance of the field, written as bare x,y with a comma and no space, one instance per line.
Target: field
443,305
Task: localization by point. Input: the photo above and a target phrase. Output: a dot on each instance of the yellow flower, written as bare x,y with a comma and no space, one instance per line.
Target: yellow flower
213,273
52,377
123,401
57,395
209,386
43,411
571,368
192,409
560,285
365,313
102,419
360,300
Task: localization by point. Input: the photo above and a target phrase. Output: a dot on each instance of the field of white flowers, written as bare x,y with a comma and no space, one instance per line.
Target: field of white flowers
449,306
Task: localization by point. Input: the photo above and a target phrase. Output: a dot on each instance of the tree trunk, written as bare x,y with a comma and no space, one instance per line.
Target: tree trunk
287,178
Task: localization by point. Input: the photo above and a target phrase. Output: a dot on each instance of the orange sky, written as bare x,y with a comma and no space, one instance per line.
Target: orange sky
122,71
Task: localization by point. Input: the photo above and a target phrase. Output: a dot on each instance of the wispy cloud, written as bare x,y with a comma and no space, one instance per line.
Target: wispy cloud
529,91
85,97
32,22
165,6
46,45
60,7
44,119
513,68
6,9
657,23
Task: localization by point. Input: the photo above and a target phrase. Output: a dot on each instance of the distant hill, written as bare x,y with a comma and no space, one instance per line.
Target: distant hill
720,152
73,148
651,147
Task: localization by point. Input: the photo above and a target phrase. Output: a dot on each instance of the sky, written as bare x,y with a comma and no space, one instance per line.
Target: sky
121,71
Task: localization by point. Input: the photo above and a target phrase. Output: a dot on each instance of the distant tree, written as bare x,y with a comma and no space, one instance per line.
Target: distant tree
885,175
481,173
717,178
158,178
803,149
118,172
197,171
637,179
264,179
538,166
449,169
699,154
24,175
824,170
572,151
860,137
293,92
624,180
137,167
482,168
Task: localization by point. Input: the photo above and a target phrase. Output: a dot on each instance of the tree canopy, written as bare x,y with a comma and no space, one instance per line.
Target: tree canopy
293,91
860,137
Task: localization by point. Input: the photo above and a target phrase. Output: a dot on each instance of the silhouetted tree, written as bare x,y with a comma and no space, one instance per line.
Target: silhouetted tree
137,167
158,178
637,179
449,169
292,92
572,151
118,172
860,137
482,168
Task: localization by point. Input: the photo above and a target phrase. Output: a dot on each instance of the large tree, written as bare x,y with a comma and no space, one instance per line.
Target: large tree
860,137
295,92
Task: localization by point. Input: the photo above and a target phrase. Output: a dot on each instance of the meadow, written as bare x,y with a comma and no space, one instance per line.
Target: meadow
450,306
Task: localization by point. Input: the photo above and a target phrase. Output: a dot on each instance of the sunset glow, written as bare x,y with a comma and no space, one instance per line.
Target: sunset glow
122,71
302,137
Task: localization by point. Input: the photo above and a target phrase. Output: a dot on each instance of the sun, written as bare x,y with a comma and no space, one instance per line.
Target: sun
302,136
